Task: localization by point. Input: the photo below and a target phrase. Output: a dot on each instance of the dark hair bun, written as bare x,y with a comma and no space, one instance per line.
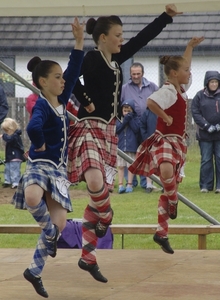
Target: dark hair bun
33,63
90,25
164,59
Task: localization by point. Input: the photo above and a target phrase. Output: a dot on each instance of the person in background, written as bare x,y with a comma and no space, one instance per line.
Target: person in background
92,155
148,124
3,104
30,102
14,151
139,89
43,188
127,131
164,153
205,109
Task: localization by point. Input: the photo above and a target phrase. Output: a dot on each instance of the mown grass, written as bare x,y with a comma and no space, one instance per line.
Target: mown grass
135,208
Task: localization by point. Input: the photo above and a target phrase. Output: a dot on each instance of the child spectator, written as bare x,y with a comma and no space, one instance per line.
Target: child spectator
14,151
127,142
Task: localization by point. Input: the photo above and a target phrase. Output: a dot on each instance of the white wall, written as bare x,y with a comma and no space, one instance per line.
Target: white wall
199,66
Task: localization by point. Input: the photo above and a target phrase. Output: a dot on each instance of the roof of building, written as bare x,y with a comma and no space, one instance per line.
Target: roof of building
19,33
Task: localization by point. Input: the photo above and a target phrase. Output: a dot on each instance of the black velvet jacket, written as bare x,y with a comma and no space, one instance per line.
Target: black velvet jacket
103,81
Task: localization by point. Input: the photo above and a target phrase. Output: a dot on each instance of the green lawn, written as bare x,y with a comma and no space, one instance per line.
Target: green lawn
135,208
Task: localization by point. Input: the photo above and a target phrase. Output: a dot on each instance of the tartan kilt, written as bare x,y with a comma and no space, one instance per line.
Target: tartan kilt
157,149
92,144
44,175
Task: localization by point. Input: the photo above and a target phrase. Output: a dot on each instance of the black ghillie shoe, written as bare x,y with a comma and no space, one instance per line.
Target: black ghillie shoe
52,243
164,243
101,228
36,282
172,210
93,270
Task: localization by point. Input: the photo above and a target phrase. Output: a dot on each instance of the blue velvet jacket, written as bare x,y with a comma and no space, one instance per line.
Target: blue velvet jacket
103,81
48,126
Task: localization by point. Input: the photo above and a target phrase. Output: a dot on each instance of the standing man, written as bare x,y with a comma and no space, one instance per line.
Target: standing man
3,104
139,89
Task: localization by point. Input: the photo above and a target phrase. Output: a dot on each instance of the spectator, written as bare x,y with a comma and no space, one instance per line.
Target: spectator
139,89
127,142
14,151
31,101
3,105
206,114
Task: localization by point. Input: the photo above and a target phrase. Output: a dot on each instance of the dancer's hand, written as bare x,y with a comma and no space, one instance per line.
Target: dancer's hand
90,108
42,148
169,121
171,10
195,41
78,33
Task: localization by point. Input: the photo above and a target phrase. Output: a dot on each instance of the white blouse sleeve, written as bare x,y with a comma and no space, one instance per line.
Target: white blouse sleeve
165,97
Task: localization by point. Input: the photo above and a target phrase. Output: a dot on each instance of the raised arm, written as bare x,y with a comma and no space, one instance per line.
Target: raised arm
72,72
148,33
78,33
195,41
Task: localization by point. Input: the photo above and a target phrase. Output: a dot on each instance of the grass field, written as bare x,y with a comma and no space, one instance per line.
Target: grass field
135,208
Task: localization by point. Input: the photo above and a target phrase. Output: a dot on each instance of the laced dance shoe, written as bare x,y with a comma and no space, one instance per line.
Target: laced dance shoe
36,282
93,270
164,243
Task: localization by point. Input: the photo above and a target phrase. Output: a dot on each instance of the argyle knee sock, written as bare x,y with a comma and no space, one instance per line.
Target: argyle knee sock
41,214
100,201
39,257
170,189
163,217
89,238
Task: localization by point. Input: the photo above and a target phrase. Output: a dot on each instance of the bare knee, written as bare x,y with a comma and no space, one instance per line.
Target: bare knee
94,179
33,195
166,170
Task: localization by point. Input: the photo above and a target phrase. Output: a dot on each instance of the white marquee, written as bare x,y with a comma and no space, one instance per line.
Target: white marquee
100,7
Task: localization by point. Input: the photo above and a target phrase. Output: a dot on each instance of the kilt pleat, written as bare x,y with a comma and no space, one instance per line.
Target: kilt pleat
92,144
157,149
44,175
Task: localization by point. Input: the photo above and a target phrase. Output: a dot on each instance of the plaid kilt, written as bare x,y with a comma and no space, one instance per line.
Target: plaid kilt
44,175
92,144
157,149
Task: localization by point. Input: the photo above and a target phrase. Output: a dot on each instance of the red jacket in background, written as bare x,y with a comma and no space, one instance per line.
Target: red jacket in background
30,102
